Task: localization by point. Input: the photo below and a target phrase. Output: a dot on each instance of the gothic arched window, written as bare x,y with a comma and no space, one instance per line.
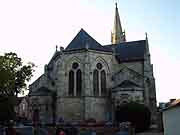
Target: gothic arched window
75,80
103,83
99,80
78,82
96,82
71,83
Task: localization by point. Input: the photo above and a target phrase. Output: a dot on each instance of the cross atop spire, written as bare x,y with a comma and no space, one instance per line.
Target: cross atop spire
117,34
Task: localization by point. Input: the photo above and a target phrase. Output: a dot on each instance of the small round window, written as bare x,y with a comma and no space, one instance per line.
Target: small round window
75,65
99,66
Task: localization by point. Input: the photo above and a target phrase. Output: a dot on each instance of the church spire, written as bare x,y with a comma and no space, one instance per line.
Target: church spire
117,34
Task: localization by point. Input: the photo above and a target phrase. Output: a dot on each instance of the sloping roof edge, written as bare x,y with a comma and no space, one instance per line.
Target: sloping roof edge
174,104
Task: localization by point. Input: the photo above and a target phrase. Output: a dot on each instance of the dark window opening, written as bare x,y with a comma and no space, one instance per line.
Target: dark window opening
71,83
103,83
99,66
78,82
96,82
46,107
75,65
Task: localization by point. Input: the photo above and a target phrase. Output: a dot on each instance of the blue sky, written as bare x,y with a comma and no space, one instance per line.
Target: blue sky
32,29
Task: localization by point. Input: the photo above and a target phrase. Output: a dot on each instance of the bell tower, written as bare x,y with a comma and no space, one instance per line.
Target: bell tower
117,35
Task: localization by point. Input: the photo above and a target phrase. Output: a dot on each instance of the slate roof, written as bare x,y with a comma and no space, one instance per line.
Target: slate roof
43,91
174,104
83,41
125,51
134,50
129,51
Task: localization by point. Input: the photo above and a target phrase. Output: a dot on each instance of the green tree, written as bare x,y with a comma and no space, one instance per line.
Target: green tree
13,74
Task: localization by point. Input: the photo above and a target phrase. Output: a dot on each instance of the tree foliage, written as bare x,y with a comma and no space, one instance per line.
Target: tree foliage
13,74
138,114
7,109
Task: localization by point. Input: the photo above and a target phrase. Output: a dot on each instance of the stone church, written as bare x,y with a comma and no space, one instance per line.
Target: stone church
87,80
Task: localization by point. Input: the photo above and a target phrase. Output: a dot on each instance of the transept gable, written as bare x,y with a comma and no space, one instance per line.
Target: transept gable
128,83
128,74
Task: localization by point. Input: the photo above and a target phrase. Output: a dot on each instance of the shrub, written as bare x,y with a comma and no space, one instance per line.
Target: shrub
138,114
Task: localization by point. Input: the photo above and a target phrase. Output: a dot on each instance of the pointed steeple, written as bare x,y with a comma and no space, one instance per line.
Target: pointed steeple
117,34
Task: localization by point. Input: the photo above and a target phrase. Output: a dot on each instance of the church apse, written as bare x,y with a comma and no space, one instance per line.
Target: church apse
91,79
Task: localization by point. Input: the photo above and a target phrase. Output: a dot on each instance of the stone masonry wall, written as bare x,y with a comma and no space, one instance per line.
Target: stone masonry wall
87,106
